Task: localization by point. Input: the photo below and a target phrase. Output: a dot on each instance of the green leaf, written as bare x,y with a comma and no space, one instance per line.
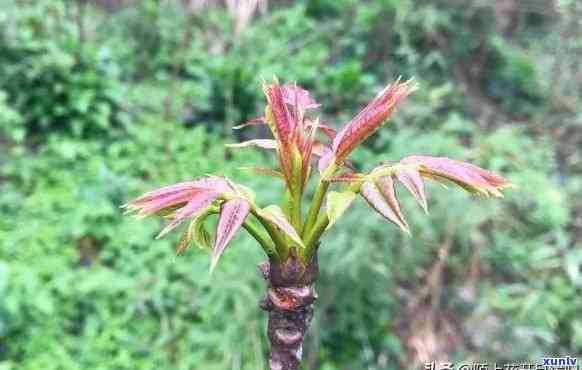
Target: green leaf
337,204
198,233
275,216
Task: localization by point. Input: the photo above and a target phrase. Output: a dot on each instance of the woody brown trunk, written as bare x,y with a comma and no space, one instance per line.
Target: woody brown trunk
289,302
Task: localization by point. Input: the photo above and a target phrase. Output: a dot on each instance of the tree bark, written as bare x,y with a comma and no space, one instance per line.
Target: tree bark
289,303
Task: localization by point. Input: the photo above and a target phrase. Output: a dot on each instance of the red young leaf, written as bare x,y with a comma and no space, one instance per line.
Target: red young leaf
370,119
195,206
260,143
298,97
329,131
265,171
161,203
166,193
412,180
216,183
159,193
491,178
381,196
285,128
347,177
232,215
149,198
254,122
283,125
181,201
472,178
295,134
307,151
386,186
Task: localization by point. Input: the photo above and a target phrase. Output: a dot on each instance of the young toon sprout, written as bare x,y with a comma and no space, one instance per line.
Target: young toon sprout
289,239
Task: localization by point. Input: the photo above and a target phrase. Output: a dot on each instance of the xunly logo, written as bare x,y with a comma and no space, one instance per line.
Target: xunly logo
560,361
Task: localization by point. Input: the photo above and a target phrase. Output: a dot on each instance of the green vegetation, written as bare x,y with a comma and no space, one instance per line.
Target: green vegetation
99,104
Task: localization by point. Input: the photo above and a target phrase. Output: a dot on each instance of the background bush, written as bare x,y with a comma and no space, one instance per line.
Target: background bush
102,100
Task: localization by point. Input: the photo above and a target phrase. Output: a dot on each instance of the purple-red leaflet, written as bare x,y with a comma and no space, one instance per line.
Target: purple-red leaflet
176,195
411,179
284,128
329,131
298,97
182,201
232,215
265,171
147,208
196,205
370,119
259,143
254,122
469,176
347,177
381,197
283,122
160,193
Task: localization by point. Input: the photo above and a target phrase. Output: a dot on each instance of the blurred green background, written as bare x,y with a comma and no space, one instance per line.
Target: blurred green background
102,100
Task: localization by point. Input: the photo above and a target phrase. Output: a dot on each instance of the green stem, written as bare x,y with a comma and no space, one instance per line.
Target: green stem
314,235
261,238
296,215
280,245
292,205
317,200
315,207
